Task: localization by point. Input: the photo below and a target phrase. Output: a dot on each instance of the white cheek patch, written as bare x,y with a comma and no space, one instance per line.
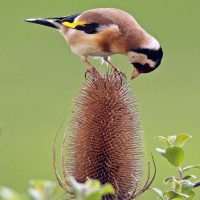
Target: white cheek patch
137,57
151,63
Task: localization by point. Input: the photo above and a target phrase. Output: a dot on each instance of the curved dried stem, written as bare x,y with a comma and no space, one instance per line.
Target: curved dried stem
136,185
64,170
59,179
147,184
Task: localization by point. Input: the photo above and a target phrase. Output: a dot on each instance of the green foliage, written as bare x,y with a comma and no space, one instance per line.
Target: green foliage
43,190
90,190
38,190
8,194
175,155
48,190
180,187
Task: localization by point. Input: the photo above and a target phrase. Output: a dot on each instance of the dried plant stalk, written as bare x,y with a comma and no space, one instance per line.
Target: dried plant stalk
106,141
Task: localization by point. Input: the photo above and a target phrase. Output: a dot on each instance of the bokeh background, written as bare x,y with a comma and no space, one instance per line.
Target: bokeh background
40,77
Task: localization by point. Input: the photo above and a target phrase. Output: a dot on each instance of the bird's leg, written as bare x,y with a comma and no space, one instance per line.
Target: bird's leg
113,65
106,59
91,69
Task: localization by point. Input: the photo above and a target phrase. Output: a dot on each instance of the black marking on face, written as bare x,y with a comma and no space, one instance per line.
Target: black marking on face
153,55
88,28
143,68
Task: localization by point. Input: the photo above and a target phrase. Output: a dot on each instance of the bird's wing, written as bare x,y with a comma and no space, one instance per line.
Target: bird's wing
104,17
88,25
88,22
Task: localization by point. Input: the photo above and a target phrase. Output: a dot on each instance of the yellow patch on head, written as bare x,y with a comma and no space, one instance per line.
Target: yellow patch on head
74,24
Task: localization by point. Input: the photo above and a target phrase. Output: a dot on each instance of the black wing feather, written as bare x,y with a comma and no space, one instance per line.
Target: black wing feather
87,28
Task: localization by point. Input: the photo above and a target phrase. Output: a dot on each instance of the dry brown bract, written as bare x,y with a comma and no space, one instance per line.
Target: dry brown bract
105,140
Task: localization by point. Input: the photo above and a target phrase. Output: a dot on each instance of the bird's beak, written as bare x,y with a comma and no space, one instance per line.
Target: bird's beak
135,74
45,22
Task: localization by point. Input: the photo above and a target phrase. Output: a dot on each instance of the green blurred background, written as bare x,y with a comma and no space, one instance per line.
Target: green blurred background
40,77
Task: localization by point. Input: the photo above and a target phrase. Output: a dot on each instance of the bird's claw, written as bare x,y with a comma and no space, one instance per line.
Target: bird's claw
91,70
119,73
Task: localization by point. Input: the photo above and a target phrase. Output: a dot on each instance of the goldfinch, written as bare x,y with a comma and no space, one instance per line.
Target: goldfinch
103,32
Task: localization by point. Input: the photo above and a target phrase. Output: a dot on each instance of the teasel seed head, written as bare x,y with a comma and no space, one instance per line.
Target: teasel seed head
104,140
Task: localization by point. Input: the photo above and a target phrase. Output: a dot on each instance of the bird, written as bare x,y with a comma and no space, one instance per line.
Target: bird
103,32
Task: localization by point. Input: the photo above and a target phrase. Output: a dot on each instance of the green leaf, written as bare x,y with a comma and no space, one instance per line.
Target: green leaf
93,196
175,155
187,186
161,151
163,139
189,177
174,195
8,194
42,189
176,186
191,194
190,167
171,139
159,192
107,189
91,189
182,139
169,179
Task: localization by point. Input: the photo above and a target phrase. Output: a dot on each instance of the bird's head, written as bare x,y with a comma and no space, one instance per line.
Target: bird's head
145,60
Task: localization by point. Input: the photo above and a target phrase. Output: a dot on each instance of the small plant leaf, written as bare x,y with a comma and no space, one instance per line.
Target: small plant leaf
8,194
163,139
187,186
175,155
191,194
91,189
191,167
171,139
189,177
93,196
176,186
175,195
159,192
182,139
107,189
161,151
169,179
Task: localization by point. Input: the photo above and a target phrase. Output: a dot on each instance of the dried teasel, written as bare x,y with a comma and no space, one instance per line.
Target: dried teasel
105,141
